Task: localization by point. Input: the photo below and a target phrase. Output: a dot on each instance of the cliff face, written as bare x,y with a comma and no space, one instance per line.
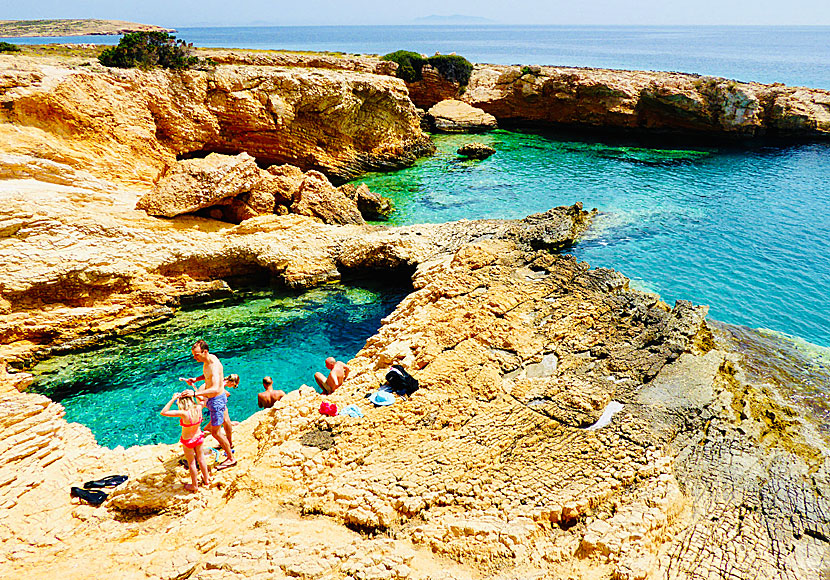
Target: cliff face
129,124
637,102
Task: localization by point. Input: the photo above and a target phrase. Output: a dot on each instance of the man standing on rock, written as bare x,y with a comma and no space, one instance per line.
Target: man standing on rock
214,391
269,396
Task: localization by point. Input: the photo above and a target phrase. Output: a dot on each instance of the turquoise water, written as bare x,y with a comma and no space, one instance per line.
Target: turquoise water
745,231
118,390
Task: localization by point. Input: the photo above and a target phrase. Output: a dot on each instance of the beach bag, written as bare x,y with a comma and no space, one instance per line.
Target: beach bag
400,382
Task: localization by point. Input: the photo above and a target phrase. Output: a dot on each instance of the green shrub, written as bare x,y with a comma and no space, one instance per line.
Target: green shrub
148,49
452,67
9,47
409,64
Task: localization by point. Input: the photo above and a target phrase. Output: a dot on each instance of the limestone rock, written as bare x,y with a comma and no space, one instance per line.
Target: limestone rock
647,102
451,116
316,197
372,205
476,150
195,184
285,185
129,125
432,88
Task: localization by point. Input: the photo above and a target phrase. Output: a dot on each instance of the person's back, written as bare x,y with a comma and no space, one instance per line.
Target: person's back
269,396
338,374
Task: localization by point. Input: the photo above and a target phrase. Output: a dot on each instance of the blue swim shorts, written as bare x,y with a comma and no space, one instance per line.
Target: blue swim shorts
217,406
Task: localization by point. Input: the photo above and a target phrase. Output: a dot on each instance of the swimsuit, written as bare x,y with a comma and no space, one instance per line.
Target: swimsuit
197,439
217,406
194,441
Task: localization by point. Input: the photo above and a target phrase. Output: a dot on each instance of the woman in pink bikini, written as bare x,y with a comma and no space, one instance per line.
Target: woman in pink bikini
190,419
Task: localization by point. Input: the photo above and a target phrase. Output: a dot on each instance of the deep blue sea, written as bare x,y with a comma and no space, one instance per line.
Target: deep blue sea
793,55
744,230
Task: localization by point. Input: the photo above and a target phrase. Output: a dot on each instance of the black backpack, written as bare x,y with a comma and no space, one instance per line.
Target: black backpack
400,382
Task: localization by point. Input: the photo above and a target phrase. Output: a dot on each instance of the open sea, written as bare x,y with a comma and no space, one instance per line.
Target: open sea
744,230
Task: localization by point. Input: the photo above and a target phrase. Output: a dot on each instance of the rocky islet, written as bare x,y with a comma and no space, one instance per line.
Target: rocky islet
518,350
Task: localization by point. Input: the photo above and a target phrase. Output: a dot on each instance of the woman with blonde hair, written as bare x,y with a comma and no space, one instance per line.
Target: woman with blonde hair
190,418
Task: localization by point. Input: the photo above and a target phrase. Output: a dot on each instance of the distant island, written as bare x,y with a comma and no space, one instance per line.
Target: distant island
85,27
452,19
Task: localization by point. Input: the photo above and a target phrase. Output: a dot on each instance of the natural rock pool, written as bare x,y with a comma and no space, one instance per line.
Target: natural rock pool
743,230
118,389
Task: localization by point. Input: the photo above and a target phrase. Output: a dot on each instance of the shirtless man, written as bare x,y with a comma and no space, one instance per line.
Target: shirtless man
214,391
267,398
338,374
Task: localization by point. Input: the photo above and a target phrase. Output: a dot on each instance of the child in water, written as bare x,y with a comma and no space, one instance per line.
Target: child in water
190,418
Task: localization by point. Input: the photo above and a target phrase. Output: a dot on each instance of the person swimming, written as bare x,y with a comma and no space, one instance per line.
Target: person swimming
190,419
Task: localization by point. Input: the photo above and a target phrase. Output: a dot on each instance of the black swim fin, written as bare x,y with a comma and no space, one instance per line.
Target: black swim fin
109,481
90,497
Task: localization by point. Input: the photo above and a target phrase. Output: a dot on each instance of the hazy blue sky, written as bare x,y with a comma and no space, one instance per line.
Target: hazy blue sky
232,12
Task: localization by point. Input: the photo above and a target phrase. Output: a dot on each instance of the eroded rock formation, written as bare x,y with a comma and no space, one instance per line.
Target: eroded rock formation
488,464
639,102
452,116
129,125
234,189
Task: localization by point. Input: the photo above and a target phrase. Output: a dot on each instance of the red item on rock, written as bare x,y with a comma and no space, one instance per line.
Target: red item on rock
327,408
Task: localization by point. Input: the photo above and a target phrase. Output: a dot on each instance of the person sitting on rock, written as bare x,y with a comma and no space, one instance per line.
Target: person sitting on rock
190,418
338,374
267,398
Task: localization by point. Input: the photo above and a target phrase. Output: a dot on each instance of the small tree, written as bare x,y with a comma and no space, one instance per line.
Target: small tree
409,64
452,67
9,47
149,49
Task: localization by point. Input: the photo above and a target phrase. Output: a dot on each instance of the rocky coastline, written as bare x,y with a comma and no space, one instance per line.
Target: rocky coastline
73,27
567,425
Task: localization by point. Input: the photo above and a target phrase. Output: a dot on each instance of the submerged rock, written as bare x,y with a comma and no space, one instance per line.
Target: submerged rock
453,116
476,151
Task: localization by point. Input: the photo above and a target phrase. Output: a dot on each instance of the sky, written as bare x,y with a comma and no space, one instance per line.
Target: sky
183,13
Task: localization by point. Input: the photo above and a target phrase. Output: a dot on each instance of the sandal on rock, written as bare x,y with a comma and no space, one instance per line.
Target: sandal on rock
109,481
90,497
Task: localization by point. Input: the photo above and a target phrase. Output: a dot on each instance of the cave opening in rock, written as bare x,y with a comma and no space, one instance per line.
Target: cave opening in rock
118,387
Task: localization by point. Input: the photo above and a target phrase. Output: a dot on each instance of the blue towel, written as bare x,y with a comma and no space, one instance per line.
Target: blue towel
351,411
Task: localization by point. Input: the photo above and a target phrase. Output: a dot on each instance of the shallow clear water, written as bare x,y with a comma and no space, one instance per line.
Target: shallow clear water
744,231
118,390
794,55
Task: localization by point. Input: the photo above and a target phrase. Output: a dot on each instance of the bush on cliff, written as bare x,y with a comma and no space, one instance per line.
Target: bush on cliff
452,67
409,64
149,49
9,47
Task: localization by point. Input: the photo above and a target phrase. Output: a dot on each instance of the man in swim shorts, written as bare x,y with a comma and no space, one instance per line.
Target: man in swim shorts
338,374
214,391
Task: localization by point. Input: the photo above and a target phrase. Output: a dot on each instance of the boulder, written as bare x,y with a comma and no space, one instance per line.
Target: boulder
453,116
372,205
285,183
195,184
476,150
318,198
